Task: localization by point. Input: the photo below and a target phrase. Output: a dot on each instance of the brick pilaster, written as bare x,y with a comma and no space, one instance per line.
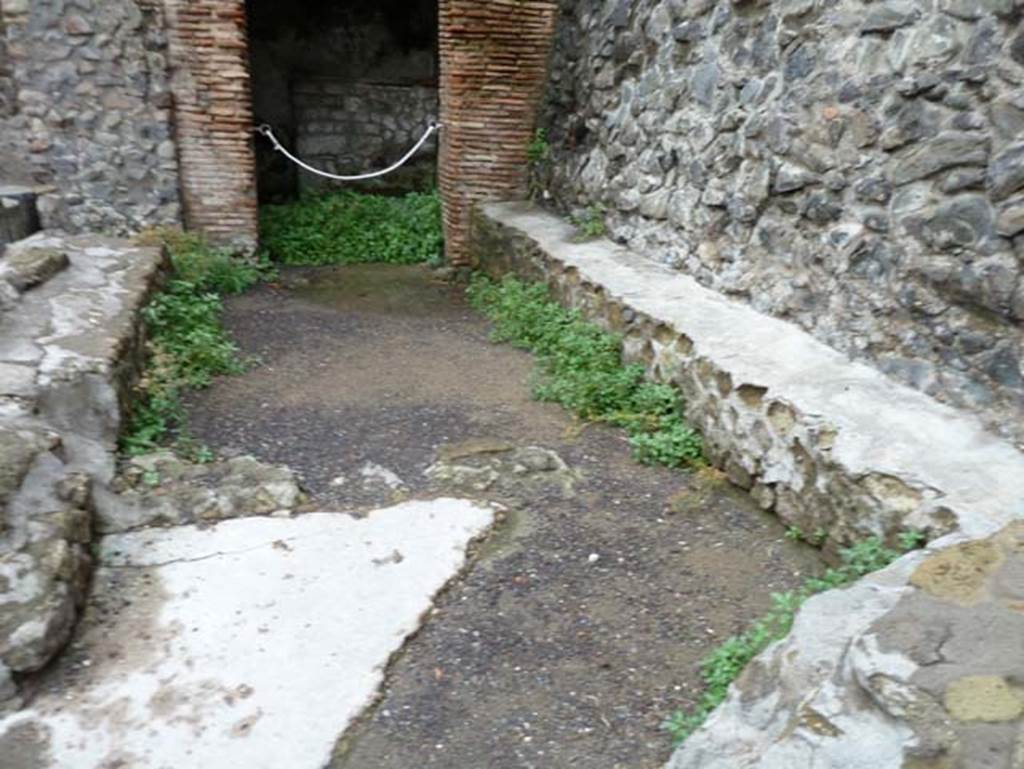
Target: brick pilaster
494,58
213,115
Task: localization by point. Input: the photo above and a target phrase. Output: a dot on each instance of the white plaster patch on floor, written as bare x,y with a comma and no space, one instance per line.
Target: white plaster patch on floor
260,640
373,472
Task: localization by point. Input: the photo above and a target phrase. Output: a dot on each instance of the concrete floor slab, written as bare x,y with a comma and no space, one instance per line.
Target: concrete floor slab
252,644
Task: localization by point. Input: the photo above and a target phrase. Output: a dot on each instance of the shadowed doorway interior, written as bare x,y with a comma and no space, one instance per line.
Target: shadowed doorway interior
347,86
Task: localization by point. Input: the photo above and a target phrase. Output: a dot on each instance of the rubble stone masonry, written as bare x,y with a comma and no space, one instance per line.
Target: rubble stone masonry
855,167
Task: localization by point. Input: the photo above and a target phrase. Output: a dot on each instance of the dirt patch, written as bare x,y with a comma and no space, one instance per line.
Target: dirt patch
580,624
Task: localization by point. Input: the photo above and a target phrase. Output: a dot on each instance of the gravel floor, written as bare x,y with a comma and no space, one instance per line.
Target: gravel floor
580,622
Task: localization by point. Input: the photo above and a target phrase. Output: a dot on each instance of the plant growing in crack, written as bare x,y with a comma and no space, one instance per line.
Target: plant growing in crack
816,538
539,149
538,153
590,223
724,664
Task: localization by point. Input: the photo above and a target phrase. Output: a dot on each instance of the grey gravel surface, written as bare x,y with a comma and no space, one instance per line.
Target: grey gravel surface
581,621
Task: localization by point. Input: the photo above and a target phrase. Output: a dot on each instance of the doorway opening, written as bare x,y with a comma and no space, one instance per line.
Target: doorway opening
347,86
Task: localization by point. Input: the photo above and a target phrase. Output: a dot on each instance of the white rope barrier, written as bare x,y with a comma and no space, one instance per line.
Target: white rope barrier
267,131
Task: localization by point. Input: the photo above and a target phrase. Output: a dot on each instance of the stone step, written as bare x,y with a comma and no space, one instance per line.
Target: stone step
18,217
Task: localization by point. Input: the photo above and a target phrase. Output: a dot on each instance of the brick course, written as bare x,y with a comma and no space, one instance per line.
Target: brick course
213,115
494,58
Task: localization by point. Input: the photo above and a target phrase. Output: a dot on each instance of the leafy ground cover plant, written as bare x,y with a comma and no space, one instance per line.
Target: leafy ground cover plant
580,367
725,663
354,228
589,223
187,344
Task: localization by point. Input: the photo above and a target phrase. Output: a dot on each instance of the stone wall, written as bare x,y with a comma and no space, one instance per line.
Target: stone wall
854,167
92,112
7,92
351,128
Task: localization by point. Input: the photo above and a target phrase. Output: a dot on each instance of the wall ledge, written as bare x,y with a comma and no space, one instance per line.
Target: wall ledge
832,445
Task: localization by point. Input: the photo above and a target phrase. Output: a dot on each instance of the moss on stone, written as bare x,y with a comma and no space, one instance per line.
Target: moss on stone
960,573
983,698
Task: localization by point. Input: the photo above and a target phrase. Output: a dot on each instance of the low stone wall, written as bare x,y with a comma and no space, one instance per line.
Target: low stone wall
918,665
70,350
351,128
832,446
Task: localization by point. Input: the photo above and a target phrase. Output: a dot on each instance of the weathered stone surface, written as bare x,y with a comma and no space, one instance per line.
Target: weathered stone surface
252,642
18,449
944,151
496,469
1006,172
885,17
67,361
164,490
885,674
870,119
983,698
25,268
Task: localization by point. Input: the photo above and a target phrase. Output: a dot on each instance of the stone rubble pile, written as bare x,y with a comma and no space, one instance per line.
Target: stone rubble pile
161,489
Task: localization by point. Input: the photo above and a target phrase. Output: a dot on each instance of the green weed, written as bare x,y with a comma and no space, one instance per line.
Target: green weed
539,149
911,540
353,228
590,223
816,538
724,664
187,343
580,367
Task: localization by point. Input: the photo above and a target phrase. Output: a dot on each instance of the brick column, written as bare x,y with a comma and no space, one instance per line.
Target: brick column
213,116
494,59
